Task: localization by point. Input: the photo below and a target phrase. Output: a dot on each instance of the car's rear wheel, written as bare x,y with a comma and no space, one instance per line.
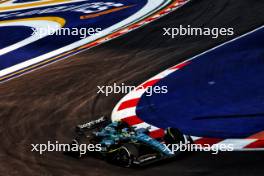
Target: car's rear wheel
125,155
73,151
76,148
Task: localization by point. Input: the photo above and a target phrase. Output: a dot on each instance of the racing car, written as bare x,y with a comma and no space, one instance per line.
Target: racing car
124,145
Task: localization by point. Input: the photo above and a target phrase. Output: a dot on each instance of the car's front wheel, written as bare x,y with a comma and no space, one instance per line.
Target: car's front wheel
175,137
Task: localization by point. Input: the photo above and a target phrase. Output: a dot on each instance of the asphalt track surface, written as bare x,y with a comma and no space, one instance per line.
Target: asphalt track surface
48,103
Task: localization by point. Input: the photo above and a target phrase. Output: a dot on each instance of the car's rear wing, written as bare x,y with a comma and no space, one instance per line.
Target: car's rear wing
92,124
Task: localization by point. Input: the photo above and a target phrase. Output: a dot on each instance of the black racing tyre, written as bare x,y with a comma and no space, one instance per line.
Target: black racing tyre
125,155
73,153
174,136
76,149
